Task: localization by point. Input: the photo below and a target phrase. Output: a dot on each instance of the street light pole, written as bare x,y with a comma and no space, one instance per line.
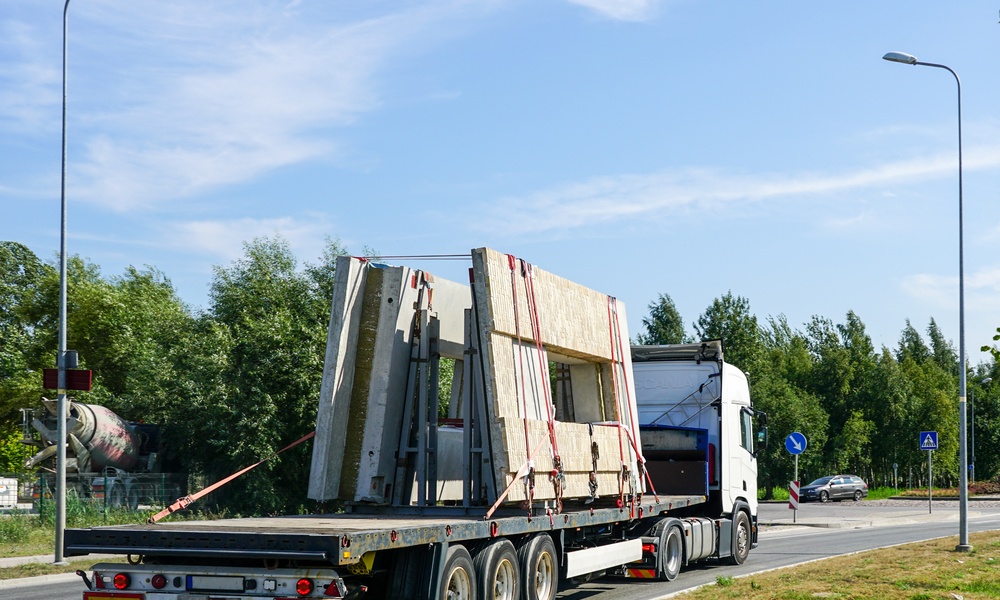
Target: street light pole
963,481
972,430
61,356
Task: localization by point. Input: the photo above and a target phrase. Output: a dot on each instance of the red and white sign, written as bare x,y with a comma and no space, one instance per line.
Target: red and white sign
793,495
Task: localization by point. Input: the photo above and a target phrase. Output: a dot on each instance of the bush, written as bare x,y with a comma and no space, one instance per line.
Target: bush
16,528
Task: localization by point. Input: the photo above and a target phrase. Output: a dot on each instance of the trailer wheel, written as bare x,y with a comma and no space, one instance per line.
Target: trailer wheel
116,494
671,552
132,494
539,568
457,580
741,539
497,572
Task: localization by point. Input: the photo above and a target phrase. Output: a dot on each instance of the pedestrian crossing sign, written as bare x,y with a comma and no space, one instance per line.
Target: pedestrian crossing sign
928,440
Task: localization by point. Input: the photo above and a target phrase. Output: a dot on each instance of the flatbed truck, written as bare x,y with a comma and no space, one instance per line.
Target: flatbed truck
697,430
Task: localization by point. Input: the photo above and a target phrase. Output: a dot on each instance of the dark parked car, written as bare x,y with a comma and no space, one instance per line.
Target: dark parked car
834,487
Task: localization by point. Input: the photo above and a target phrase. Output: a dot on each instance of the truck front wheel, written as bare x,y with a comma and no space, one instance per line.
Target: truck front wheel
539,568
741,539
671,552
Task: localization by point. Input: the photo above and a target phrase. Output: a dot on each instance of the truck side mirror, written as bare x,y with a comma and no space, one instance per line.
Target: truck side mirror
761,441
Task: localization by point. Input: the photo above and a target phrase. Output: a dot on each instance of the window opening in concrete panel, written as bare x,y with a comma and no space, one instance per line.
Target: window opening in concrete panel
578,390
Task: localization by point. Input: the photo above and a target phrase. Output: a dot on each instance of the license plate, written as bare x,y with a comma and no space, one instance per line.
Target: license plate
214,583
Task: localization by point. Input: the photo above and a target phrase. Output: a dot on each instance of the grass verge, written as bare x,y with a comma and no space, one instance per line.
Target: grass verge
921,571
37,569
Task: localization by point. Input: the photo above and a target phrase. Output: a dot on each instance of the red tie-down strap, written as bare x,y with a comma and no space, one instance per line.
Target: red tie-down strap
188,500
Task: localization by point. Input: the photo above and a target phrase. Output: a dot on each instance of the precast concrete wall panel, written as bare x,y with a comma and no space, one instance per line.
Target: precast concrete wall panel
367,369
404,292
338,378
572,321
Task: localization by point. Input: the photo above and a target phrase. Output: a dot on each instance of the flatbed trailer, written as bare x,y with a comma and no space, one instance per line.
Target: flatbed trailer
442,553
343,539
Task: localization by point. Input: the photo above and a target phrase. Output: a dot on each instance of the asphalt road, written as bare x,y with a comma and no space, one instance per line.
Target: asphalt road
820,531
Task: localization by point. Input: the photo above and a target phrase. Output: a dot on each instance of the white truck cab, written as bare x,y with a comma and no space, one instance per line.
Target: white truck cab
697,424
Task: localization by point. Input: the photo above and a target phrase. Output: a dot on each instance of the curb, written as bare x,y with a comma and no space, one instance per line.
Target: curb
26,581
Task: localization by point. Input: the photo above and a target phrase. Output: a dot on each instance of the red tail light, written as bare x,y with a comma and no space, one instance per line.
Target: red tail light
159,581
122,581
651,548
304,587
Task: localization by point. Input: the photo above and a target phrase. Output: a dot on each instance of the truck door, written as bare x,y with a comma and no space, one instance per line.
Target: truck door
746,485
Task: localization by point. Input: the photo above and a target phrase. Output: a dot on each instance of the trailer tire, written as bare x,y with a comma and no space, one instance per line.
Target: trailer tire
132,494
498,575
115,494
670,553
458,579
539,568
741,539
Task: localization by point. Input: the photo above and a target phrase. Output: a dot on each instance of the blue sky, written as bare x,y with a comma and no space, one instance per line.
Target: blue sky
634,146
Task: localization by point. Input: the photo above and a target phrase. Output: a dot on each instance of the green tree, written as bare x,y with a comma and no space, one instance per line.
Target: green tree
933,407
21,275
777,390
852,443
842,377
911,345
268,324
663,325
943,352
12,452
987,425
729,319
890,413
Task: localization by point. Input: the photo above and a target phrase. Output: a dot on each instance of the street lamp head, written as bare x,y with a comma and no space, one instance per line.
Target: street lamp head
987,380
900,57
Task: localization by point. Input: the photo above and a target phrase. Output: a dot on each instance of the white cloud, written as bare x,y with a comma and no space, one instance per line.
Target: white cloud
937,291
235,92
864,219
602,200
224,239
621,10
30,83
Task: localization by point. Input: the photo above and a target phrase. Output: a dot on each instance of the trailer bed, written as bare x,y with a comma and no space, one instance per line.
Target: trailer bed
338,539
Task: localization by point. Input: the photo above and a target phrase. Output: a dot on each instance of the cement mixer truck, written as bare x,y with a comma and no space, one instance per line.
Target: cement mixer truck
109,460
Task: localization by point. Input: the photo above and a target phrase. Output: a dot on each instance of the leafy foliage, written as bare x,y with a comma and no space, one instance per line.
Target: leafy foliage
267,322
860,408
12,452
239,380
663,325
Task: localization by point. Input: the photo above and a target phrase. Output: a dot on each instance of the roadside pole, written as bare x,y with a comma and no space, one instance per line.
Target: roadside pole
930,487
793,492
929,442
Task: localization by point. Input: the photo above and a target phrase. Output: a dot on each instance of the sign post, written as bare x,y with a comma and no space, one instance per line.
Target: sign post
795,443
929,442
